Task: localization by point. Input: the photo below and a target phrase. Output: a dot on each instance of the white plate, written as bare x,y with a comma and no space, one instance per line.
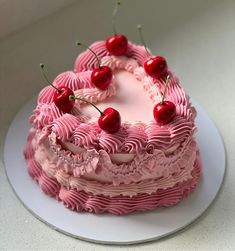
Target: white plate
107,228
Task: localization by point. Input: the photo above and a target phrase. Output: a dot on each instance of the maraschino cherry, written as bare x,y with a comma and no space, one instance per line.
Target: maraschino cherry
155,66
164,111
117,44
61,95
109,120
102,76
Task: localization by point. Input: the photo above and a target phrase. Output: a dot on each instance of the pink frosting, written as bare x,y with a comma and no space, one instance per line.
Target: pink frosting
49,186
74,80
86,60
136,140
98,165
46,95
140,167
137,52
120,63
95,95
130,138
121,205
85,136
83,201
112,143
45,114
64,126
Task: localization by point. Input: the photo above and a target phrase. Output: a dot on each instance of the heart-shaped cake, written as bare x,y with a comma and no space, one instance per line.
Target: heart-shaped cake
119,160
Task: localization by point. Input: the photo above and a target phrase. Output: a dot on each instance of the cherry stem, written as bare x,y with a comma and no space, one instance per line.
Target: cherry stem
86,101
49,82
114,17
87,47
142,38
166,85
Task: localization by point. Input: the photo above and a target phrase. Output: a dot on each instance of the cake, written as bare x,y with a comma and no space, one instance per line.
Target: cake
141,166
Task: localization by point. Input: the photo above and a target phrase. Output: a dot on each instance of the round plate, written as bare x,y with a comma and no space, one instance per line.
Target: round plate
107,228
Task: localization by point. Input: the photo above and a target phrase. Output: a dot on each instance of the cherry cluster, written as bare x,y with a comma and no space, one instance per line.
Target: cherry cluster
64,99
101,77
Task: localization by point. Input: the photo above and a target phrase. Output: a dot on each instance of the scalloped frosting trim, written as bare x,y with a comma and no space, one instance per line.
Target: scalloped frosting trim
120,205
138,136
98,165
83,201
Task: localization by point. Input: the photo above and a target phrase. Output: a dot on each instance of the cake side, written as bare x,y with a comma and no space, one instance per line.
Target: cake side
100,198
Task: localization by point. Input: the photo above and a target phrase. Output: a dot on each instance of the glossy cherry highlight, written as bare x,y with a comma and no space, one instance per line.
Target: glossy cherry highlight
109,120
101,76
61,95
62,100
117,44
164,111
155,66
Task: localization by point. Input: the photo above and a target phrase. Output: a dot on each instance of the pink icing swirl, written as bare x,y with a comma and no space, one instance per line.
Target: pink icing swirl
34,169
120,63
46,95
176,93
137,52
136,140
64,126
44,114
112,143
163,137
120,205
74,80
49,186
142,166
83,201
87,61
85,135
95,95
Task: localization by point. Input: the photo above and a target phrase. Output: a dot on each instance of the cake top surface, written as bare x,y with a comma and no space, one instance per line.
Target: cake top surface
131,91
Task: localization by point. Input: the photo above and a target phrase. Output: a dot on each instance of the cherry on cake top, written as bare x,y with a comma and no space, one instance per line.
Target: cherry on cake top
101,76
116,44
61,95
164,111
155,66
109,120
64,99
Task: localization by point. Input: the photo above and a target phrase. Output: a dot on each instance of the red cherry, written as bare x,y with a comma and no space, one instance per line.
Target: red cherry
62,99
156,67
110,120
164,112
101,77
117,44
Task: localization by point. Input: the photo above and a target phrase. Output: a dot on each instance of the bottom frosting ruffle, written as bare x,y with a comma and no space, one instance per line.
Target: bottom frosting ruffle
118,205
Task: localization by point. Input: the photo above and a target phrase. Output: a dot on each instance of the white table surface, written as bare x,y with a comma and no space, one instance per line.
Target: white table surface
198,40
